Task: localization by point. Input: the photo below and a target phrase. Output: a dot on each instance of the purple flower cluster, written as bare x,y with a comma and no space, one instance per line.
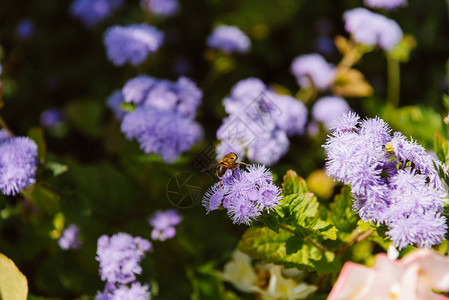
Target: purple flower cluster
259,122
163,119
132,43
51,117
163,223
25,29
387,4
245,194
328,109
91,12
119,257
393,180
372,29
229,39
18,160
70,238
313,67
161,7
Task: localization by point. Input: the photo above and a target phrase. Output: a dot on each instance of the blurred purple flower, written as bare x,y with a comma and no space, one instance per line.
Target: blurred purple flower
387,4
18,160
25,29
51,117
91,12
136,89
393,181
164,224
70,238
135,292
229,39
325,45
161,7
163,132
114,101
119,257
245,194
328,109
372,29
132,43
313,67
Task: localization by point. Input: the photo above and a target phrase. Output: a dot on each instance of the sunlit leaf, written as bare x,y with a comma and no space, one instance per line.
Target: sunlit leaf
13,284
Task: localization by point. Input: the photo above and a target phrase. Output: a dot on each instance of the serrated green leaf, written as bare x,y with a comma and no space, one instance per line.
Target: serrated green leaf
13,284
343,217
442,148
270,247
293,184
322,228
37,135
271,222
365,226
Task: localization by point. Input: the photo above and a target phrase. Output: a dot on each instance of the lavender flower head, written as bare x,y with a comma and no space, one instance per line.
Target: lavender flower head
70,238
244,194
114,102
161,7
163,223
393,180
132,43
259,122
119,257
387,4
372,29
91,12
313,67
51,117
328,109
25,29
18,160
229,39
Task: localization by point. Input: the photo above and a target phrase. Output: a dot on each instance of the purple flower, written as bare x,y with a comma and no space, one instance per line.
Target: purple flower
25,29
268,148
132,43
313,67
372,29
136,89
164,224
51,117
119,257
387,4
135,292
328,109
161,7
325,45
114,101
70,238
229,39
245,194
393,181
290,115
18,160
91,12
162,132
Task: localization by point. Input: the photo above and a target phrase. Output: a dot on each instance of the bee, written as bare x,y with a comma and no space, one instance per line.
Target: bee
227,162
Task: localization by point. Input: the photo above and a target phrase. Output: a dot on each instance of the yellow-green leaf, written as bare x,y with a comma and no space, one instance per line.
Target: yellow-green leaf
13,284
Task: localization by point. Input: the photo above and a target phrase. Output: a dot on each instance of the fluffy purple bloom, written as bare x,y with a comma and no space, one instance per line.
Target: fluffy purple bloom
328,109
387,4
119,257
136,89
132,43
229,39
163,223
245,194
313,67
393,180
372,29
25,29
70,238
91,12
114,101
51,117
259,122
161,7
166,133
135,292
18,160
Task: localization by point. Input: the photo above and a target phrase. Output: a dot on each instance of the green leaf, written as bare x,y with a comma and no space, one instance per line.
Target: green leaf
344,218
287,250
56,168
271,222
293,184
446,101
37,135
13,284
46,199
85,116
442,148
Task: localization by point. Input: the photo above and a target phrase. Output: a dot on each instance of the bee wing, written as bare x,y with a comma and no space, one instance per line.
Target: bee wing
214,165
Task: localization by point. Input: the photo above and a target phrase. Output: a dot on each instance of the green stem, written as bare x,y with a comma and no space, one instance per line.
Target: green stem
356,237
394,81
308,240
